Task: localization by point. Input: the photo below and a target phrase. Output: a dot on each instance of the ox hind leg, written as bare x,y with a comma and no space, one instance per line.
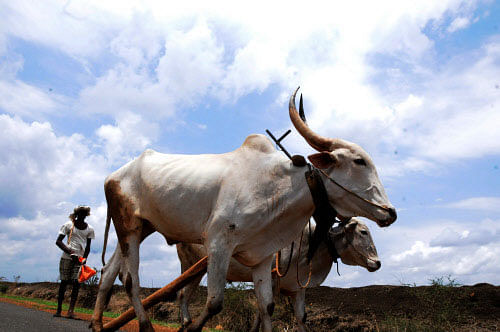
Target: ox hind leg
188,258
184,296
131,280
108,277
298,302
115,266
219,255
262,281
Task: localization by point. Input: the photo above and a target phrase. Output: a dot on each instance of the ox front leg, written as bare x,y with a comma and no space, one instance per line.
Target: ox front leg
132,284
299,309
219,255
262,281
108,277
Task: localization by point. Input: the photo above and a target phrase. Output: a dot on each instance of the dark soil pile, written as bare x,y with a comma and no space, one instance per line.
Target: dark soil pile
371,308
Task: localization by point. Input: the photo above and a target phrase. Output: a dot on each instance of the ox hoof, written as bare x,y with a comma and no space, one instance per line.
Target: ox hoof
95,326
189,328
146,327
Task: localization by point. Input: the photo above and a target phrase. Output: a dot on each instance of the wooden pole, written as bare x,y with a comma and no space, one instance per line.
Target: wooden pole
167,292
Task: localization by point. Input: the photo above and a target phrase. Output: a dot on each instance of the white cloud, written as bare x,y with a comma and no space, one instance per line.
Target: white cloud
127,139
477,203
39,169
19,98
192,64
460,109
452,238
418,249
77,29
458,23
468,252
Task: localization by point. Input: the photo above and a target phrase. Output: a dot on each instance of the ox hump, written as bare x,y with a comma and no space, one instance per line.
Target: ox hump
258,142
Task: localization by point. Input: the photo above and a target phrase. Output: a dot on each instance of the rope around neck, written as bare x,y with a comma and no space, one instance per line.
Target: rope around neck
310,264
278,253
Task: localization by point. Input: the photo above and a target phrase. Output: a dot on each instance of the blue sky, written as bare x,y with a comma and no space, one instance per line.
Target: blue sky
86,87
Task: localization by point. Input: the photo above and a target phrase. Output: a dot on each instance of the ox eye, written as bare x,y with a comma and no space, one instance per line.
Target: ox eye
360,162
364,232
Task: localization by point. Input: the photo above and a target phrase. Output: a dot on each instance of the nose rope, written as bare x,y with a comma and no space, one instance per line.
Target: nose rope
353,193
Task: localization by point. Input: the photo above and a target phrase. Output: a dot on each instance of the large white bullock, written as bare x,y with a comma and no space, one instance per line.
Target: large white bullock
246,204
351,242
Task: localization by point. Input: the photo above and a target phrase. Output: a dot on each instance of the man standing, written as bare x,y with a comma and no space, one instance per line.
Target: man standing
79,235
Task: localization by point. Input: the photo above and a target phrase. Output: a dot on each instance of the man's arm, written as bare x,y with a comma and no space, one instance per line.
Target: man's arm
87,248
60,244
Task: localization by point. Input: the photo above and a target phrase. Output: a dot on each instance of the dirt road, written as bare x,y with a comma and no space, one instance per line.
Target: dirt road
26,316
17,318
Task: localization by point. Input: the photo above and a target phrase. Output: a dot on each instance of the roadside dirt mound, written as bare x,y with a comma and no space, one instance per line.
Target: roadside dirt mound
371,308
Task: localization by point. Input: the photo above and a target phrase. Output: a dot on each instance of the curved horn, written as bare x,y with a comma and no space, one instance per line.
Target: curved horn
301,110
317,142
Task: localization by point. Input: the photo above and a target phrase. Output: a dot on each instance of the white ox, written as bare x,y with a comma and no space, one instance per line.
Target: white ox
246,204
352,242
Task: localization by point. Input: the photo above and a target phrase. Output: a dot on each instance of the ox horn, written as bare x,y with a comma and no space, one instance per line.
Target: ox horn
317,142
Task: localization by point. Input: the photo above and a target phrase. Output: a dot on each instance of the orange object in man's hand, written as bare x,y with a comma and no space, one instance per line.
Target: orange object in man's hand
85,271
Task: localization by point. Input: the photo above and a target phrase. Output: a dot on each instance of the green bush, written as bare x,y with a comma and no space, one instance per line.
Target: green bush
3,288
238,313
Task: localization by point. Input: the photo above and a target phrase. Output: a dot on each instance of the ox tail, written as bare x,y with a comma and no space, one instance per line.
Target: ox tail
106,232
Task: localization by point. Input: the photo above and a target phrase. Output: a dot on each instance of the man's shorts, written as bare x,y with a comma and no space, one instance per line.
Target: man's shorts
68,269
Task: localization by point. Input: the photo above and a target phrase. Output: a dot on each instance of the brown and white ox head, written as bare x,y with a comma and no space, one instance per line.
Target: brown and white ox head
354,245
354,188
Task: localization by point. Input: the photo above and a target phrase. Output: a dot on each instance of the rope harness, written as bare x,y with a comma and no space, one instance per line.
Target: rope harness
310,261
324,214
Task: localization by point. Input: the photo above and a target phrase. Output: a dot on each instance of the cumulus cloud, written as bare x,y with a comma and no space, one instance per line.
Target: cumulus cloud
77,29
477,203
451,238
457,249
39,169
164,60
131,135
458,24
20,98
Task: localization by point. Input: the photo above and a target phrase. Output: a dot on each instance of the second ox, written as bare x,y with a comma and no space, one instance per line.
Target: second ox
350,241
246,204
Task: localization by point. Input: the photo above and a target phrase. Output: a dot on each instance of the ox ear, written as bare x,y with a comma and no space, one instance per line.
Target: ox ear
322,160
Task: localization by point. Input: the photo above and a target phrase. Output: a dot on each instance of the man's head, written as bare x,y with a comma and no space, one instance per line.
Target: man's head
79,213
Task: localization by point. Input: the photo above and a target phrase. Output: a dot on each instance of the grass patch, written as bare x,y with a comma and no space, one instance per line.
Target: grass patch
397,324
439,303
53,305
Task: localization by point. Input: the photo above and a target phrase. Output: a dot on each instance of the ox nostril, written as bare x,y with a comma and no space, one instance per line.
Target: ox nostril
379,264
392,213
